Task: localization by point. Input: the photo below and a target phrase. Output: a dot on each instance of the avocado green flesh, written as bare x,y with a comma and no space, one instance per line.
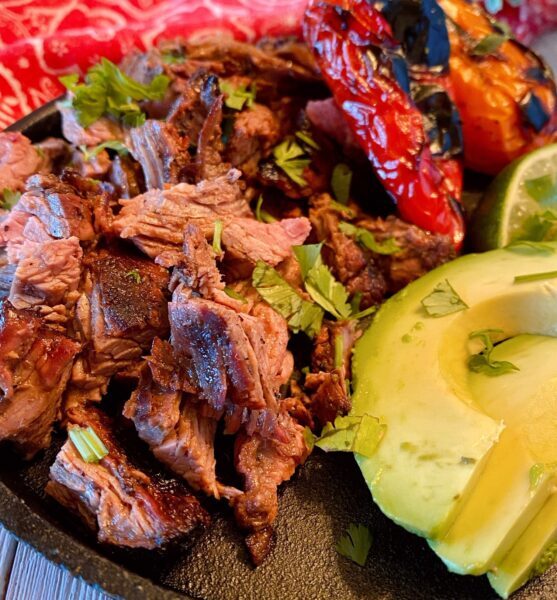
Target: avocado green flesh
445,460
503,502
515,568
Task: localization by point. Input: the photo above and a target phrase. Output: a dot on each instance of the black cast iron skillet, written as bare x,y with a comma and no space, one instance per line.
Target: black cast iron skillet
324,497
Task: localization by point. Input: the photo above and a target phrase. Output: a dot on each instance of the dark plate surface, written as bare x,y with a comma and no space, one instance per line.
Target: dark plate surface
323,498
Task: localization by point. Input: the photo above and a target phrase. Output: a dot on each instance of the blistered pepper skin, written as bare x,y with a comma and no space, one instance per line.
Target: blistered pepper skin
361,62
506,97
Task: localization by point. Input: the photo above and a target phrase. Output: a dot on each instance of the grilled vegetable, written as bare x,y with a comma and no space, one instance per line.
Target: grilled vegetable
388,73
505,94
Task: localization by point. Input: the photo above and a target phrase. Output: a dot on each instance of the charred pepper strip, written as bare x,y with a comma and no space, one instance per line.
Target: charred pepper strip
366,70
505,94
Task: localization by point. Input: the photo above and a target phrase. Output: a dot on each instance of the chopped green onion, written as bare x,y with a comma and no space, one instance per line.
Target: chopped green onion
217,237
88,444
341,180
535,277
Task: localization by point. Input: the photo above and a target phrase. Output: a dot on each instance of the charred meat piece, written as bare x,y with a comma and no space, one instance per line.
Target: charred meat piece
353,266
18,160
35,364
124,505
50,209
126,176
155,221
161,151
264,465
47,274
420,250
171,422
122,308
254,133
104,129
6,276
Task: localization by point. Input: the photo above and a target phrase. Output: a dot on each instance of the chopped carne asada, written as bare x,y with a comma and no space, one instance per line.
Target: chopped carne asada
134,251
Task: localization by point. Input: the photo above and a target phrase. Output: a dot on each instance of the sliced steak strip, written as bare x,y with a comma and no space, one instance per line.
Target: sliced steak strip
160,150
35,364
172,424
18,160
246,241
155,221
47,274
103,130
123,308
420,251
123,504
264,465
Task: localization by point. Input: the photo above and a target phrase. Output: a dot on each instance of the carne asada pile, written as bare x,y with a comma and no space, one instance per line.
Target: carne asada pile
200,236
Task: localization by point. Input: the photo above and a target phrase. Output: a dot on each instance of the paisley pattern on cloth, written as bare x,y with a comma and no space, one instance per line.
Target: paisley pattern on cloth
43,39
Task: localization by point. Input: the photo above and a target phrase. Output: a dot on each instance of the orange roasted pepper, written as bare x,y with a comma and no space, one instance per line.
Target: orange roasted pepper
506,96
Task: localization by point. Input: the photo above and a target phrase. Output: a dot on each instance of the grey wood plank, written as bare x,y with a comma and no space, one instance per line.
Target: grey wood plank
33,577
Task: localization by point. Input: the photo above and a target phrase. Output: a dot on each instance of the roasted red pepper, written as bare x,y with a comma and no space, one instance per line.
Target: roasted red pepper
407,126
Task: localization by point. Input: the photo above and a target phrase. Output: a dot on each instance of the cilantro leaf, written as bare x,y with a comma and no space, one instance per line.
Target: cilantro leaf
309,438
339,351
261,214
355,544
89,153
135,275
9,198
482,362
326,291
108,91
290,157
443,301
352,434
489,44
340,182
342,209
306,138
545,561
232,293
366,239
217,237
307,256
236,97
300,314
535,277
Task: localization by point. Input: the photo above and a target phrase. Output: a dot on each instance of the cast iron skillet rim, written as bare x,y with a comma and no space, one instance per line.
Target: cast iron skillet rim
54,544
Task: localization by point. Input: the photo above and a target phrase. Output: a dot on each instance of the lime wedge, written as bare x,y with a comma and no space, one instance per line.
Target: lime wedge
514,203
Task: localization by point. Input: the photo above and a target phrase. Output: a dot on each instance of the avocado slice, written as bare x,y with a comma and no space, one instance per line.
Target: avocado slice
410,370
504,502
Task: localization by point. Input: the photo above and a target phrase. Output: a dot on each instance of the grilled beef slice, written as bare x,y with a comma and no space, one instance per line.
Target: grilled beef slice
123,504
35,364
155,220
122,308
102,130
18,160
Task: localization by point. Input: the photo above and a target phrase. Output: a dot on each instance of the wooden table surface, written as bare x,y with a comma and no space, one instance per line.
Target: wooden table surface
26,575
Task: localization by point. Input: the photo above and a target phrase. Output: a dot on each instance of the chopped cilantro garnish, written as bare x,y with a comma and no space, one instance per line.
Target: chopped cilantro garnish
307,256
443,300
306,138
326,291
352,434
89,153
309,438
236,97
217,237
9,198
482,362
234,294
340,182
290,157
489,44
535,277
88,444
342,209
355,544
356,302
300,314
545,561
261,214
108,91
135,275
366,239
363,313
339,351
